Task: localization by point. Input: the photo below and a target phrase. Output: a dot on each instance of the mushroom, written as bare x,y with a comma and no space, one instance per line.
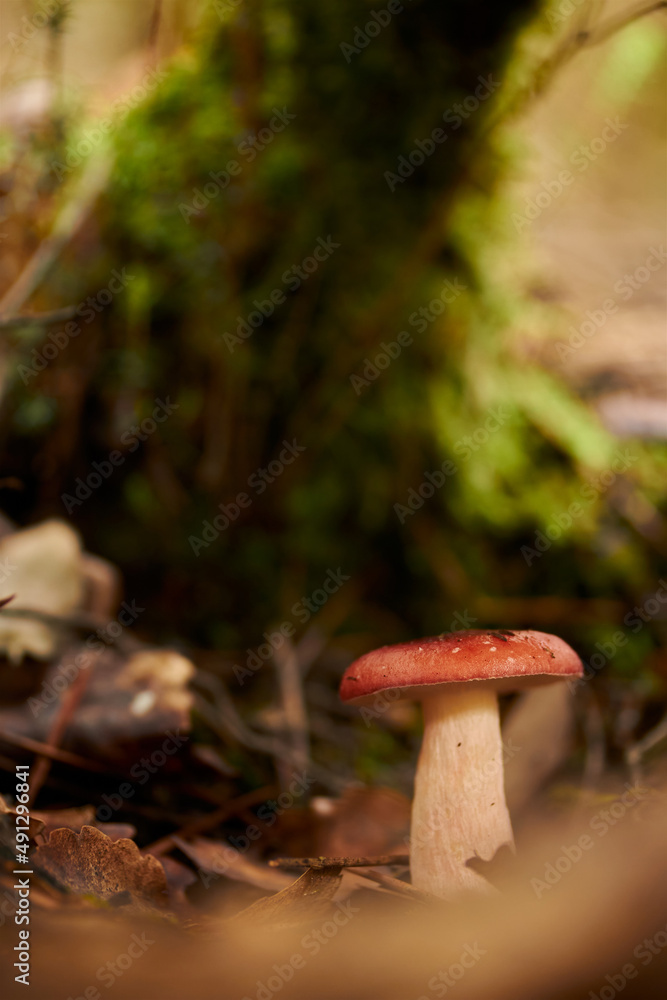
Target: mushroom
459,809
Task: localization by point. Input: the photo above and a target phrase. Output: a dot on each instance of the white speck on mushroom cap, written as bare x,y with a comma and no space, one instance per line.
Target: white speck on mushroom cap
493,649
458,648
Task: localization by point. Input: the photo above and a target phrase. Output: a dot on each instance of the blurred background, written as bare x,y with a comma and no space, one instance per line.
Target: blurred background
455,410
326,324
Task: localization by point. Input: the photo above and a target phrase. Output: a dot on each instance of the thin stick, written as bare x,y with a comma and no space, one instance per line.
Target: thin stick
165,844
68,706
293,701
44,750
322,862
395,885
570,46
225,721
309,647
634,754
68,223
594,739
613,25
38,319
154,28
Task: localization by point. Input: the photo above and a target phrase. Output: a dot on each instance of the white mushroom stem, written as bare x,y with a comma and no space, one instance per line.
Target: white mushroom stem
459,808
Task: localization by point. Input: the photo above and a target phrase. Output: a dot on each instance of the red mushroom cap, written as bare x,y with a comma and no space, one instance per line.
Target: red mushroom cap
508,659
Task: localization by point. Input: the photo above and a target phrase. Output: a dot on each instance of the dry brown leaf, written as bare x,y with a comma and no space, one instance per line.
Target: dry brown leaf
130,704
179,878
309,898
363,822
76,818
42,567
221,859
136,699
562,945
91,863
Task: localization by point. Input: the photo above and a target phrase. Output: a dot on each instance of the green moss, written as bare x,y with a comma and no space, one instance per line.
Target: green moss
204,254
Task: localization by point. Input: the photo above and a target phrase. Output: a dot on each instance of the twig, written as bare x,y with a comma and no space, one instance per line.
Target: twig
231,808
617,24
226,722
570,47
68,706
154,28
263,744
38,319
634,754
68,223
322,862
595,742
360,866
63,756
293,701
309,647
395,885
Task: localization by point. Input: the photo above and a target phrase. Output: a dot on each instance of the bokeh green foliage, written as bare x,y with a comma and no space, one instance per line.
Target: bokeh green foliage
197,274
